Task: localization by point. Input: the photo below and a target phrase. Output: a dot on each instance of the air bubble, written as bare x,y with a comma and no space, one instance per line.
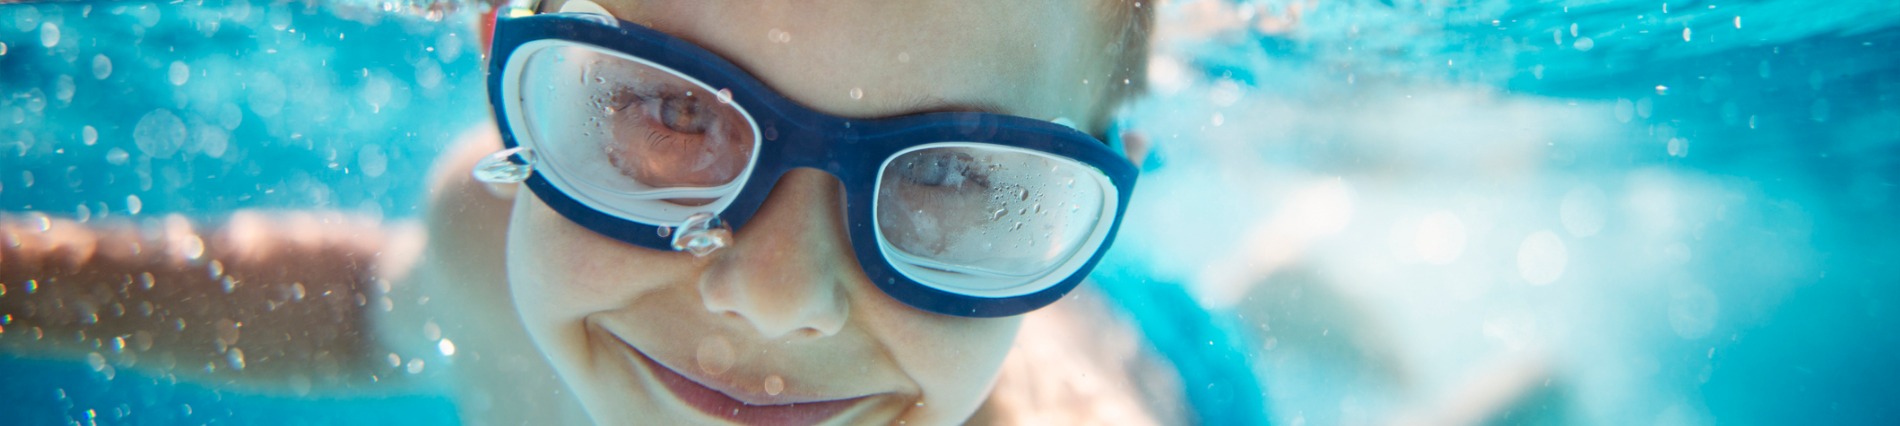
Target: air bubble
63,89
236,358
714,356
415,365
774,385
101,66
159,133
701,234
857,93
511,165
446,347
89,135
178,73
664,231
725,96
191,247
49,34
132,204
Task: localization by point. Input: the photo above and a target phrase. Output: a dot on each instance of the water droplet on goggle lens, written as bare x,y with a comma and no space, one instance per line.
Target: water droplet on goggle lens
511,165
701,234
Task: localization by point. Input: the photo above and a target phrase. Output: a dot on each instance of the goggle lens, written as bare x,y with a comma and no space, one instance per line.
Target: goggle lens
988,219
635,140
632,137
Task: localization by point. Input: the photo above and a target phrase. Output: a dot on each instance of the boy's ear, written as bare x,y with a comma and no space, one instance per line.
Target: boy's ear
1135,146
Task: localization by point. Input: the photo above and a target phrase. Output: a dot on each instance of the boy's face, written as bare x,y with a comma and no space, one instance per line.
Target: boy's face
785,315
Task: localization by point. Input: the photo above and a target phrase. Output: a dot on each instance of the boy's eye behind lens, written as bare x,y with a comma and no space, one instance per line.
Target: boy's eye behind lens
986,211
653,128
944,168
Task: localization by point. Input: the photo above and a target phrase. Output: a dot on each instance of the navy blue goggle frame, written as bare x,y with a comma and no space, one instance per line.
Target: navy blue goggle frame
794,136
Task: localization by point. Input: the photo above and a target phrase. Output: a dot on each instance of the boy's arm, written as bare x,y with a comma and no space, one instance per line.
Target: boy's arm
268,300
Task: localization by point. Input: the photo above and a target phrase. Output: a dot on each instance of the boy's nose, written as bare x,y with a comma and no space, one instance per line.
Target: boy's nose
788,268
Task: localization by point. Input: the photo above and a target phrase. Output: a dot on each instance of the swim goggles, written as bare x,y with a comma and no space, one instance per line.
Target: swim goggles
651,140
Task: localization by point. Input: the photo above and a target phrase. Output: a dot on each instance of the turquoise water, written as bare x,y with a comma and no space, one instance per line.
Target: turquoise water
1620,212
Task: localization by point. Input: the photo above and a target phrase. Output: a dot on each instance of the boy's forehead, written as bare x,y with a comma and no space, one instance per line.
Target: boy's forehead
871,58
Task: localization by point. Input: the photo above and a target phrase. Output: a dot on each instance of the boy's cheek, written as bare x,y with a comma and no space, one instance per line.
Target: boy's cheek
564,271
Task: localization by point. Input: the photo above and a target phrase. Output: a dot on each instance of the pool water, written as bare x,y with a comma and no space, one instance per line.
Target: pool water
1601,212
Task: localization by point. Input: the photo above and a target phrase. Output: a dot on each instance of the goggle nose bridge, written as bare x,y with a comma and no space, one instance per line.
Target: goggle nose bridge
784,147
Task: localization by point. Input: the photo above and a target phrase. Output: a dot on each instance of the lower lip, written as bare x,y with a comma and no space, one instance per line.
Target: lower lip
716,404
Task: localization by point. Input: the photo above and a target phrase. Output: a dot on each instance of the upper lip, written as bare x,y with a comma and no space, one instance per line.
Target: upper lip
790,395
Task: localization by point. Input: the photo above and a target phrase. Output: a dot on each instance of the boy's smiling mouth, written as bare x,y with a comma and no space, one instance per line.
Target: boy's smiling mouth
721,400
